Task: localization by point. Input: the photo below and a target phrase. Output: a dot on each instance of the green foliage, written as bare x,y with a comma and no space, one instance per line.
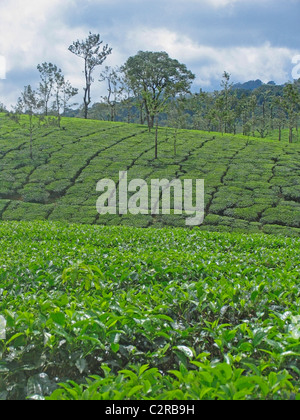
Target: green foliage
285,214
155,77
95,312
17,210
248,183
208,382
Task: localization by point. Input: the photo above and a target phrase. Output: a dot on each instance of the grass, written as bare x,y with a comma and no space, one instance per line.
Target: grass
250,184
97,312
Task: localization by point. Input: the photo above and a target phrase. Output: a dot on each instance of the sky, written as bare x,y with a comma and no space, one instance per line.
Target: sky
250,39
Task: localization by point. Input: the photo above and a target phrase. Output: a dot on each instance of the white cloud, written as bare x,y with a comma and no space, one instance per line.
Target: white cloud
34,32
214,3
244,63
221,3
248,63
230,3
2,67
22,28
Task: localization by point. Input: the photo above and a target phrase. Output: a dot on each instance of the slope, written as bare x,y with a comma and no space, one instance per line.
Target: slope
251,185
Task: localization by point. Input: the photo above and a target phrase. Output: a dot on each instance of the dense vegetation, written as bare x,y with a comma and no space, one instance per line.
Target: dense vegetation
116,312
153,87
251,185
166,314
101,309
260,111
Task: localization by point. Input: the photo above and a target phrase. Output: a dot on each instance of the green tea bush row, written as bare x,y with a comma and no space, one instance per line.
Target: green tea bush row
114,312
244,179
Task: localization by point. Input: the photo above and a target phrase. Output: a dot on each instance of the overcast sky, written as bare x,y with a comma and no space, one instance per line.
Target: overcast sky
251,39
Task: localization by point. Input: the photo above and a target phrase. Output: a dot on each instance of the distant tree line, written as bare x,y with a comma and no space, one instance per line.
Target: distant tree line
153,89
231,109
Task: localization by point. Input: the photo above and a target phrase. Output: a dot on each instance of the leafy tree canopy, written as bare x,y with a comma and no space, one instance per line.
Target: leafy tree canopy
156,77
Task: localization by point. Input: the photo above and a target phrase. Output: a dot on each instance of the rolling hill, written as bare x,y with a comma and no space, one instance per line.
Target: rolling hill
251,185
94,312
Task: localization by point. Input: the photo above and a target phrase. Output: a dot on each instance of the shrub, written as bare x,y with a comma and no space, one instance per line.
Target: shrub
250,214
292,193
280,230
26,211
34,193
242,177
284,214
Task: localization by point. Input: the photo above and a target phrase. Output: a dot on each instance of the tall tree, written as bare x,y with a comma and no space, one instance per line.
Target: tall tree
291,101
177,117
128,99
226,96
252,107
114,88
201,104
263,120
59,83
64,91
68,92
47,74
280,115
2,107
224,112
157,77
94,54
30,104
57,87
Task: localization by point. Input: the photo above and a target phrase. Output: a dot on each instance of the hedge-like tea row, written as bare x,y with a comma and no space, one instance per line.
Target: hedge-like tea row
250,184
130,313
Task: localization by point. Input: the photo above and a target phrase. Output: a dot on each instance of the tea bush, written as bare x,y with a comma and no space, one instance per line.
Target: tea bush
245,179
97,312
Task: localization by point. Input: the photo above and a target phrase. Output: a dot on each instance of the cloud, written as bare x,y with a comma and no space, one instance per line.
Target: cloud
208,62
221,3
24,26
251,39
2,67
35,33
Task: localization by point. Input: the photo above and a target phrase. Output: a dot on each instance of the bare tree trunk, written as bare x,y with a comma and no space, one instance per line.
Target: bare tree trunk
291,134
128,115
31,137
141,115
31,146
156,138
87,91
279,138
86,103
175,142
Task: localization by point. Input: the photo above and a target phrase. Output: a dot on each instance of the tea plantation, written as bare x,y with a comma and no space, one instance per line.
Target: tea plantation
96,307
127,313
251,185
